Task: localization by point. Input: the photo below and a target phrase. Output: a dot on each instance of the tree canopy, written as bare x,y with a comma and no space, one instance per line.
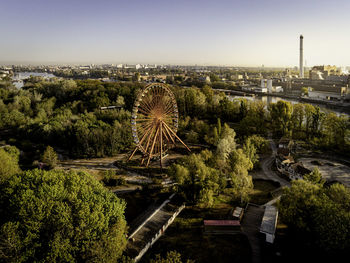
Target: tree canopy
319,214
57,216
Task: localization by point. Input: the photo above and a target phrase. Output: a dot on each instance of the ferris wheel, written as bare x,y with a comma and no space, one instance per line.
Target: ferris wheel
154,122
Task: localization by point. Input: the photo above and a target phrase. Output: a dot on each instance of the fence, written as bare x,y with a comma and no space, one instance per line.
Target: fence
159,233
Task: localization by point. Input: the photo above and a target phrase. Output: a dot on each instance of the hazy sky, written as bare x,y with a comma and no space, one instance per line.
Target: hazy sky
216,32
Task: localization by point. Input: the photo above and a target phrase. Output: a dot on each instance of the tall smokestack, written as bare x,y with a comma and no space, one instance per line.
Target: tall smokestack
301,66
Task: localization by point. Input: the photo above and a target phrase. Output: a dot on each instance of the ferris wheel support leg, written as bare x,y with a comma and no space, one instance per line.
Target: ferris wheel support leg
148,141
177,137
131,155
154,141
166,136
142,139
171,138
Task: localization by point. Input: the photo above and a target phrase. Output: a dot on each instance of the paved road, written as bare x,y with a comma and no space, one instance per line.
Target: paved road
266,165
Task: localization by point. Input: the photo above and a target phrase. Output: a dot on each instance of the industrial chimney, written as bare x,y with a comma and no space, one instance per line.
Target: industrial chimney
301,66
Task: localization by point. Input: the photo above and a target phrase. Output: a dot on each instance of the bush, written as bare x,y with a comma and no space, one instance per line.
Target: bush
111,179
50,157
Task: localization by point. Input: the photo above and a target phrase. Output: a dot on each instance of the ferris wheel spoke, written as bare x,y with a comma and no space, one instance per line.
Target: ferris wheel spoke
168,109
152,102
144,125
144,119
146,104
144,135
143,116
141,129
170,112
143,111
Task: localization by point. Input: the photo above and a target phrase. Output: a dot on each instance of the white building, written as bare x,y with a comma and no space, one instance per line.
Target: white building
269,85
269,223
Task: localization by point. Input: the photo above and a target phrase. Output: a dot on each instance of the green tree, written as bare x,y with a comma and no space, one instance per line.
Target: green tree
280,114
315,177
241,182
318,214
336,130
226,143
309,112
250,151
50,157
9,165
197,180
297,119
55,216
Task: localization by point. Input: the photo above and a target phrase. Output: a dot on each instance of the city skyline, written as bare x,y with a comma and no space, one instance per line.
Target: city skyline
226,33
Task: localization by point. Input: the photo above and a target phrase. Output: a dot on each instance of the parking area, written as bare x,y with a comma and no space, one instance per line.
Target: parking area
330,170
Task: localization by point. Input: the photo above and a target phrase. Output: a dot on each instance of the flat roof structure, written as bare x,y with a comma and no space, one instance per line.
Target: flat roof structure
269,222
222,223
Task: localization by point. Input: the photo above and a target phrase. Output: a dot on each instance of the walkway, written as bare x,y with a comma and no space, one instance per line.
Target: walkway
251,223
149,228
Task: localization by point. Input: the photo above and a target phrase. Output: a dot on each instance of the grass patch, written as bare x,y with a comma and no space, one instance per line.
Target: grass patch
186,236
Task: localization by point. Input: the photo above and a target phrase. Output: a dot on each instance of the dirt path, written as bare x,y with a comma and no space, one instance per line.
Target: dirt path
102,164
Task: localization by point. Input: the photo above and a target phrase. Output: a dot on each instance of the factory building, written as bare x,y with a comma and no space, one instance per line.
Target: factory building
325,73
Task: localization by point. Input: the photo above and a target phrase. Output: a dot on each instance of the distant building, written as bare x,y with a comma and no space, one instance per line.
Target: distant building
322,72
323,95
268,85
204,79
85,67
288,167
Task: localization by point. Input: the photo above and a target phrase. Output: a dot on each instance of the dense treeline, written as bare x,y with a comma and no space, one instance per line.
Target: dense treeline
66,114
322,129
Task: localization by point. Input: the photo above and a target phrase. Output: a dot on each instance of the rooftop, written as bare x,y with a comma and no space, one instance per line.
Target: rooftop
269,221
222,223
